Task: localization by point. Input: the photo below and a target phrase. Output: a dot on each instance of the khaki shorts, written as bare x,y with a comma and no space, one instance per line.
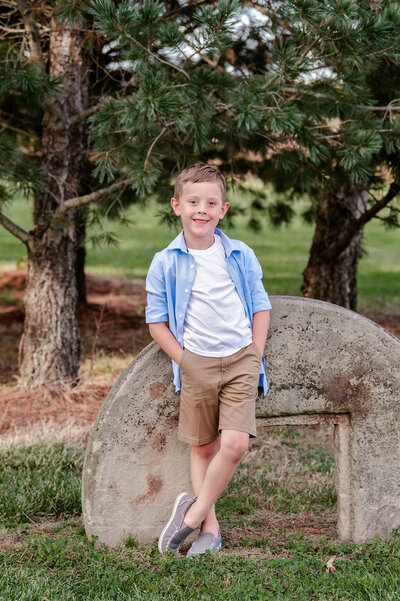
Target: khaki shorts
218,393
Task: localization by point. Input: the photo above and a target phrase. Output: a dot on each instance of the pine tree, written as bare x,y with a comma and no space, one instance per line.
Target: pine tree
54,69
45,94
341,70
296,97
106,101
360,119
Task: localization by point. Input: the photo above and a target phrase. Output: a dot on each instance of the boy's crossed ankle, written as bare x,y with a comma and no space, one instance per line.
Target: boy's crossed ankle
206,525
190,519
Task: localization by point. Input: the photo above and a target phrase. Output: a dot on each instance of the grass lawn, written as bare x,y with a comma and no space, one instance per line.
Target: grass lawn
282,253
277,521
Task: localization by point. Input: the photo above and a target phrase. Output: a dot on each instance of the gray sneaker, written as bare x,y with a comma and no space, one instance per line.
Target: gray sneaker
206,541
176,531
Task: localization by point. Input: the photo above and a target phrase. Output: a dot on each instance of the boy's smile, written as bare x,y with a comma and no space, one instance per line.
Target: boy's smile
200,207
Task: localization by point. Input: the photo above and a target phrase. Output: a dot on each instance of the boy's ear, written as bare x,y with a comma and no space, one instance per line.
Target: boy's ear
176,206
224,209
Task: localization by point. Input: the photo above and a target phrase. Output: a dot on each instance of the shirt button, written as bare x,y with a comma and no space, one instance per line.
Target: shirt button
186,290
181,315
192,266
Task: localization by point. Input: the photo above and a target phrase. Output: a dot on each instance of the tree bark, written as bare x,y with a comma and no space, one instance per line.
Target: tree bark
332,276
50,344
80,261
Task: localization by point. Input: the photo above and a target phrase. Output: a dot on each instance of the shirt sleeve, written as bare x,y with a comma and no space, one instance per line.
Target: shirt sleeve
259,297
157,305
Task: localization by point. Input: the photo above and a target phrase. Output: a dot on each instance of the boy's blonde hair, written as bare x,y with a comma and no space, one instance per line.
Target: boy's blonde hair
200,172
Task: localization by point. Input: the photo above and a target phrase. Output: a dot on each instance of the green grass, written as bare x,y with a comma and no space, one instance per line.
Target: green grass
282,252
37,481
286,472
266,559
68,568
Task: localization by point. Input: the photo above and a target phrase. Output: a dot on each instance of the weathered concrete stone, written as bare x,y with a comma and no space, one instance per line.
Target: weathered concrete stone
324,364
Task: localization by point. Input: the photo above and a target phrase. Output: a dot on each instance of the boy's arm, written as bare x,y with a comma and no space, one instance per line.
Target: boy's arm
157,310
260,329
161,333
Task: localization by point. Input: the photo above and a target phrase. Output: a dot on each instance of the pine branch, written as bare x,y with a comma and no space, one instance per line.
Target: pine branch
217,29
210,62
181,9
33,32
162,132
394,190
388,108
261,8
85,114
344,240
16,230
309,48
79,201
23,132
16,32
150,53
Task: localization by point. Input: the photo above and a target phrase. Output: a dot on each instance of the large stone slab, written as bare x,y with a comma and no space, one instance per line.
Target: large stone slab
324,363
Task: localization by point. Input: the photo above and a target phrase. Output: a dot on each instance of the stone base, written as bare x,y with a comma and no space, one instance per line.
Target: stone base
325,364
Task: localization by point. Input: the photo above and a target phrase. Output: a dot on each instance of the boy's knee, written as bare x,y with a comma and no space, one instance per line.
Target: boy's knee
235,444
206,450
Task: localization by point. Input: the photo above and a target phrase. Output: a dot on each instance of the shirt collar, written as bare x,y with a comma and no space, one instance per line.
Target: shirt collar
178,243
229,245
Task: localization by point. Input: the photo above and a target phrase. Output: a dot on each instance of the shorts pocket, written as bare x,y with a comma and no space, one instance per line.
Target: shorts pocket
257,350
181,359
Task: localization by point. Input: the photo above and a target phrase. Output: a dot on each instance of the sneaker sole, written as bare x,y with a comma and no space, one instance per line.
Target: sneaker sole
217,548
178,499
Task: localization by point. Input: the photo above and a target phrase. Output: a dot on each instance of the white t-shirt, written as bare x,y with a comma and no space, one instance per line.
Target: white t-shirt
216,324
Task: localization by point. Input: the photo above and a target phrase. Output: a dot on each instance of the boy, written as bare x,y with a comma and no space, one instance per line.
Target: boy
208,310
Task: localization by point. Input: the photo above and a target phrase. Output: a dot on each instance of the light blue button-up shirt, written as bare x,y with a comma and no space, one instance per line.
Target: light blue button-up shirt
170,279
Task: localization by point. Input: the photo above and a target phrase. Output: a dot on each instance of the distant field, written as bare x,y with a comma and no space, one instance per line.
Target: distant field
282,252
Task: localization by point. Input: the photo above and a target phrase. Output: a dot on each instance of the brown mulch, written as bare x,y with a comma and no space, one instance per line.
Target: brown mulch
120,299
112,319
111,323
48,409
390,320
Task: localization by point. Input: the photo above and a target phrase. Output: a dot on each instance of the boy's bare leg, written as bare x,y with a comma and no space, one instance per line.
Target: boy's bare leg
218,474
200,458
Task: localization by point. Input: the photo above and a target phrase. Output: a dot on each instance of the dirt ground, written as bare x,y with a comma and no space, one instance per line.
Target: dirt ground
113,332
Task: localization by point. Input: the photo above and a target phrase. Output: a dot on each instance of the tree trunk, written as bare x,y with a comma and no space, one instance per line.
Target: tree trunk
50,344
80,260
333,277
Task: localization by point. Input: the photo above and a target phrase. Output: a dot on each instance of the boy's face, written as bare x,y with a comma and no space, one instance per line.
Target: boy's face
200,207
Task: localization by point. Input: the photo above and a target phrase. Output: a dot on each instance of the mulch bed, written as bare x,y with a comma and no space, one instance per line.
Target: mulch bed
112,322
20,410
